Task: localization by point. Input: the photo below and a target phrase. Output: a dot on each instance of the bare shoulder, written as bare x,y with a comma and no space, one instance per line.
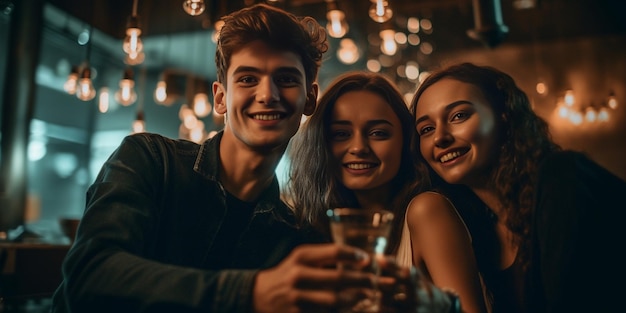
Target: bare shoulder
433,212
430,203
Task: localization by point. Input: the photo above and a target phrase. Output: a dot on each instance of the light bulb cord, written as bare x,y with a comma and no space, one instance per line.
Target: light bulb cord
135,8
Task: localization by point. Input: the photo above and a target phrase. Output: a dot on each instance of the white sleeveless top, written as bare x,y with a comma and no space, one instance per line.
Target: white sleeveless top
404,257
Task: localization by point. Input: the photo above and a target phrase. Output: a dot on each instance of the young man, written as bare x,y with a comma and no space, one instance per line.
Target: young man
172,226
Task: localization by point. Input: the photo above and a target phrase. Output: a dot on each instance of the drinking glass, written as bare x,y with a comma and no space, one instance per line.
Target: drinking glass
367,230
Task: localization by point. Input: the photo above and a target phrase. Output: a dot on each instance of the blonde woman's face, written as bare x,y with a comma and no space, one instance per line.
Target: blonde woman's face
366,141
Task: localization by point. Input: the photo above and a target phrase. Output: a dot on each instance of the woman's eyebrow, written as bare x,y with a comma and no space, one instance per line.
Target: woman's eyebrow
448,108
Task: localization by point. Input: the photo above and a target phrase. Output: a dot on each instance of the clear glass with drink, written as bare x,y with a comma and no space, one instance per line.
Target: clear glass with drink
368,230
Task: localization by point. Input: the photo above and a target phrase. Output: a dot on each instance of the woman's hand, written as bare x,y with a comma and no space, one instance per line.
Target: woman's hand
405,290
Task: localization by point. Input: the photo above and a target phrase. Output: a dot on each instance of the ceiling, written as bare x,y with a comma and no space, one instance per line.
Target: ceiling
546,20
173,38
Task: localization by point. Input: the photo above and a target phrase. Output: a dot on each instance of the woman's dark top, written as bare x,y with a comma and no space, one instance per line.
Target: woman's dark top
577,240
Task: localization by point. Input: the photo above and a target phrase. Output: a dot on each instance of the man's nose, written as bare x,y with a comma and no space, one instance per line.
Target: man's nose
267,92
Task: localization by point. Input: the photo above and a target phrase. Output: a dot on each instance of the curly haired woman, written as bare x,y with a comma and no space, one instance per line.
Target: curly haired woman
541,218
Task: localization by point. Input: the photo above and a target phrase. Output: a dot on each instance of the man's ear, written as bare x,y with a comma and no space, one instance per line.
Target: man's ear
311,100
219,101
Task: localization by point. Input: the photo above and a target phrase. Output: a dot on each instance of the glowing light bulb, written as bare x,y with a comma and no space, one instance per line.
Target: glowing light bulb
104,100
197,134
160,93
139,124
603,115
337,26
590,114
85,90
569,98
575,117
541,88
190,121
72,81
135,58
348,52
194,7
126,95
380,11
388,45
201,105
612,102
132,42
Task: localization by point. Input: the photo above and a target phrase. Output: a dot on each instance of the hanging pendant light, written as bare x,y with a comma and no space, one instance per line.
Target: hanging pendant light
194,7
380,11
132,45
85,90
201,105
139,124
126,95
71,83
337,26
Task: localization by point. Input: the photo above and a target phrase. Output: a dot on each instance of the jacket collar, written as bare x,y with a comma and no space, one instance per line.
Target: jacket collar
208,163
208,159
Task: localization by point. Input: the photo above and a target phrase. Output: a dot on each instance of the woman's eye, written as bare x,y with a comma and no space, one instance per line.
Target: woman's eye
379,134
425,130
339,135
459,116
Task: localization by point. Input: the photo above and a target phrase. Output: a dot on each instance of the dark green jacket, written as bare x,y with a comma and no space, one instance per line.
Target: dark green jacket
145,241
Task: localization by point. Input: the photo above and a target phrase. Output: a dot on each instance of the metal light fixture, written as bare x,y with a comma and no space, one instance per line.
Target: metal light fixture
194,7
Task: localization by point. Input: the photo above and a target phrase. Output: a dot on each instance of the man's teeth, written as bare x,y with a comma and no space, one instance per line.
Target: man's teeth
359,166
450,156
266,117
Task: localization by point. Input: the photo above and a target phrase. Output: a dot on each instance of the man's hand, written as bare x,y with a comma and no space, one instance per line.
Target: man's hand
308,280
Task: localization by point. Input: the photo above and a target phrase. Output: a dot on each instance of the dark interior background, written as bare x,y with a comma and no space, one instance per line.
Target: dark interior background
577,45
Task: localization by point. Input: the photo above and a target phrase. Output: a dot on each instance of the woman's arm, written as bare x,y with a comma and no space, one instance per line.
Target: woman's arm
442,248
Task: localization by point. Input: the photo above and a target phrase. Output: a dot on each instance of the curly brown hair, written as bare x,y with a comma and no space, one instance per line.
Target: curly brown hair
524,140
278,28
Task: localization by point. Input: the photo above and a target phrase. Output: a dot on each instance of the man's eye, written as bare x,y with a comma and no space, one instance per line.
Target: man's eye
287,80
247,79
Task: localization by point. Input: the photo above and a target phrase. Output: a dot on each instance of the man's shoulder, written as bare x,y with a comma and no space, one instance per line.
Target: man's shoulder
160,143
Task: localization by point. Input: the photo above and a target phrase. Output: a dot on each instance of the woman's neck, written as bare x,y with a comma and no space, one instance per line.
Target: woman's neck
490,199
508,246
374,198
